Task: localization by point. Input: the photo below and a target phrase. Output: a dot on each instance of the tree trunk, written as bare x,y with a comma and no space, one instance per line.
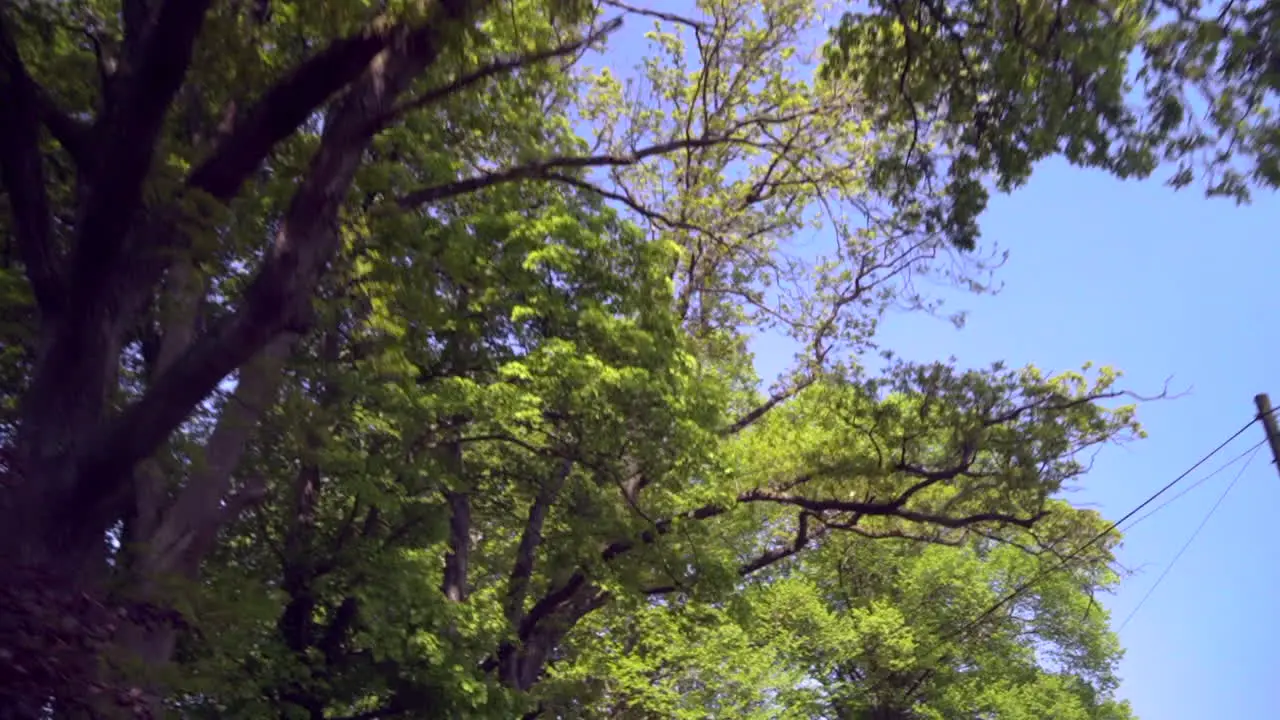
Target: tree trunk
75,460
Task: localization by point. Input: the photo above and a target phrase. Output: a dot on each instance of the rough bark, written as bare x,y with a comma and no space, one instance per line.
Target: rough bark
78,352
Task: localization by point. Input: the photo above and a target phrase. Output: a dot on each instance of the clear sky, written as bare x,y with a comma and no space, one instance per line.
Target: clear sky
1157,283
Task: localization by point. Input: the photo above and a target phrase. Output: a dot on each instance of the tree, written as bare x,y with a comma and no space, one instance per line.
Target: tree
866,627
354,269
896,638
194,199
561,531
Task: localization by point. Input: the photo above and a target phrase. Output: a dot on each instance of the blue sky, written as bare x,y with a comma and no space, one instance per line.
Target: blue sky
1159,284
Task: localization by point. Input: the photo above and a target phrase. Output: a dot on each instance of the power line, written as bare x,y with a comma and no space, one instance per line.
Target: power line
1195,485
1016,592
1191,539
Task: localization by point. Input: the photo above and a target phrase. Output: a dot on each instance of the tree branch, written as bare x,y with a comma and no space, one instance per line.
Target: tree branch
495,68
283,108
279,297
520,664
454,584
543,170
650,214
335,633
22,170
763,409
254,491
137,16
62,408
129,129
1063,404
195,515
929,478
530,540
71,134
393,708
771,557
564,594
556,597
889,509
697,25
852,526
551,602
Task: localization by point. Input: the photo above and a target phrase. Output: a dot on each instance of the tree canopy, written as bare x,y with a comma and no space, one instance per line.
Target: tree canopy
387,359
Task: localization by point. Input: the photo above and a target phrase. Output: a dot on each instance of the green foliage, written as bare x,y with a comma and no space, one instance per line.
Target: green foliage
685,661
991,88
863,627
1210,80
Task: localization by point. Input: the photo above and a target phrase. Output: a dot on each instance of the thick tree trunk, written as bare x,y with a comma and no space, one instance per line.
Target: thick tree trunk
59,415
454,584
62,411
173,543
77,462
520,665
74,462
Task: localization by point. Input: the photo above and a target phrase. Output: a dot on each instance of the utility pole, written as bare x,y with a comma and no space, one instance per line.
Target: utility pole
1268,418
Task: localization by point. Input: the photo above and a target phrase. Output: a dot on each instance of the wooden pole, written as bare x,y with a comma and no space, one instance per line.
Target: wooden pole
1268,418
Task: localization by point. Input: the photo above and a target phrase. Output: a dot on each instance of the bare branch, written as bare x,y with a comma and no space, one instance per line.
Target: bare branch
659,15
650,214
493,69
